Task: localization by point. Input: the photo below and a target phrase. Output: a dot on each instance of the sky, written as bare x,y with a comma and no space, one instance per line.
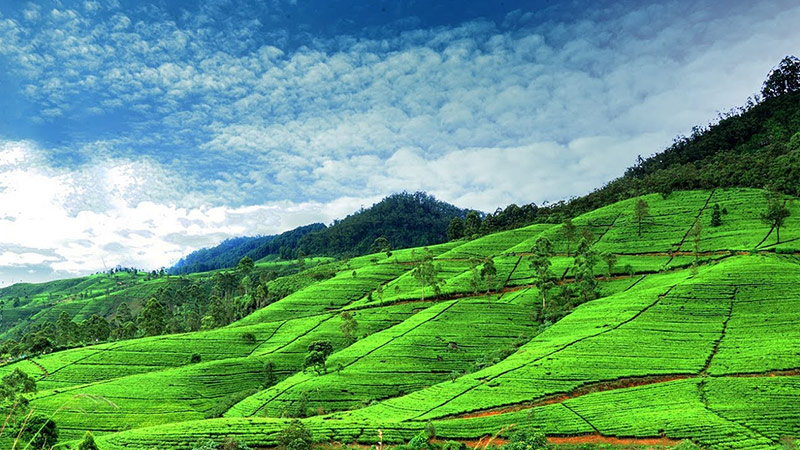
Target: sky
134,132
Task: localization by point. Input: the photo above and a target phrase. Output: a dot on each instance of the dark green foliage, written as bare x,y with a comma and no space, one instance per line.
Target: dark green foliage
455,230
41,432
775,212
349,326
153,318
406,220
716,216
541,264
526,440
14,386
295,431
318,352
472,225
269,374
88,442
195,358
488,274
570,232
641,210
231,251
248,338
783,79
380,244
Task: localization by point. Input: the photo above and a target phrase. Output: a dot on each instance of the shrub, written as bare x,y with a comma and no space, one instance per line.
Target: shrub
295,431
195,358
249,338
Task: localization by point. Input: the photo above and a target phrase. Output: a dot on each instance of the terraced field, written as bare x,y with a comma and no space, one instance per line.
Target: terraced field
682,343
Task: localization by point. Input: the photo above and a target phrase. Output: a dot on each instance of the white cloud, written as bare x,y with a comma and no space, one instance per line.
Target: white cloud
78,222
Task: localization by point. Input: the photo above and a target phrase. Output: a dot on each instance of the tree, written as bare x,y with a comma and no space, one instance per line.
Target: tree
269,374
475,279
775,213
425,272
585,260
245,266
88,442
349,326
380,244
641,210
570,232
783,79
97,329
294,431
610,259
540,263
488,274
40,432
318,352
455,230
716,216
472,224
65,329
153,318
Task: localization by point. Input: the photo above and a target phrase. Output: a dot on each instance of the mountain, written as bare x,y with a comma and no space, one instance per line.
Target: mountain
405,220
230,251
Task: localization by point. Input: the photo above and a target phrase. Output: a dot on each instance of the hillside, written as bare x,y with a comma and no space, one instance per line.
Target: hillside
685,336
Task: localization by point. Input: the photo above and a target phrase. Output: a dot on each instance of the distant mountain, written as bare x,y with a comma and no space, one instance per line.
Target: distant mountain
230,251
405,220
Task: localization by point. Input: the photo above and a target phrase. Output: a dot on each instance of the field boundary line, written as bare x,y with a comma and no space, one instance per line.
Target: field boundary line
685,235
718,341
564,347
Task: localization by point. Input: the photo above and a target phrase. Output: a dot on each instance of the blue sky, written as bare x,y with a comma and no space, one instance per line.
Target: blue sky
134,132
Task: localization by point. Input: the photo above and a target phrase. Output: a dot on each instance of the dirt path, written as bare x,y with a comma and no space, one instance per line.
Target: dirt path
597,438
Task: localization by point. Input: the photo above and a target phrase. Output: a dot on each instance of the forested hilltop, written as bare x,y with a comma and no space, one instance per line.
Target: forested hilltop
398,221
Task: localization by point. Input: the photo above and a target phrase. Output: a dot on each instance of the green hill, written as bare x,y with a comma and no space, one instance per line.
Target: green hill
687,338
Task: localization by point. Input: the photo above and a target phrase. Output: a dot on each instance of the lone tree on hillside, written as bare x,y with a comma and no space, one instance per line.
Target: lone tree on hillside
489,273
425,272
641,210
540,263
381,244
716,216
349,326
776,212
318,352
610,259
570,232
783,79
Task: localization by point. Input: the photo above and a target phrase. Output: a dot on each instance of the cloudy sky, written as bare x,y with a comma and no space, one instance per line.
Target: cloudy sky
134,132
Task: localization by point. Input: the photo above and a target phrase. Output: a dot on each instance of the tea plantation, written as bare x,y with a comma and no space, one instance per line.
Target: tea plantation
682,329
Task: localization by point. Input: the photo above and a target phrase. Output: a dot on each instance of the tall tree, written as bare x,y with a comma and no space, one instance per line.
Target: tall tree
544,279
585,260
775,212
570,232
318,352
488,274
455,230
348,326
610,259
425,272
641,210
472,224
153,318
245,266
